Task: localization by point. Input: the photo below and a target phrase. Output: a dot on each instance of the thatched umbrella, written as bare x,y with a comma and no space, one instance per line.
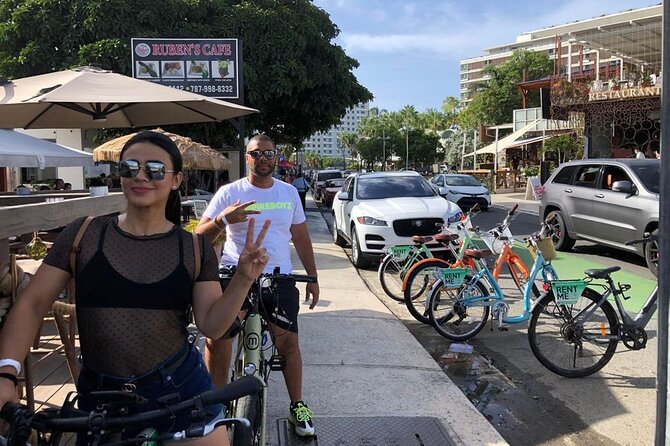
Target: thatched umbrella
196,156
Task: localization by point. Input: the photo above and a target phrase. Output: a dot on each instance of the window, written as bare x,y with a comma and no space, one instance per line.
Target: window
612,174
564,176
587,176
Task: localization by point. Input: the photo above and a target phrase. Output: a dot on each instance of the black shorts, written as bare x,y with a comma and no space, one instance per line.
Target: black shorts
280,308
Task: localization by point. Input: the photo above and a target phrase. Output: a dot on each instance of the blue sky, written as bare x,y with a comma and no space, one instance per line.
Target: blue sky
410,51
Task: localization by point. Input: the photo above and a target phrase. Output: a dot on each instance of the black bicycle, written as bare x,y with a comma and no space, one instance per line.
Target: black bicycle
110,420
576,337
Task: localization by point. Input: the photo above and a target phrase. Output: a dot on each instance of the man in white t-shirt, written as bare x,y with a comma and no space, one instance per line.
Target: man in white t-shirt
259,194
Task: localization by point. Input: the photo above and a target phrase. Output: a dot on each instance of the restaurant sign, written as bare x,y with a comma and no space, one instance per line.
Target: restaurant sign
210,67
626,93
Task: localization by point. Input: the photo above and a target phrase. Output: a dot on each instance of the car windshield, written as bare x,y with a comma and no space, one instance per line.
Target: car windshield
376,188
338,182
323,176
649,174
461,180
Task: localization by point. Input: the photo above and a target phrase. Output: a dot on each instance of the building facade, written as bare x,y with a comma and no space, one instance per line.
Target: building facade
580,46
326,143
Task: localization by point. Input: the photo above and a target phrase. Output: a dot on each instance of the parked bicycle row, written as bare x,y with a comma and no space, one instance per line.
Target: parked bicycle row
459,279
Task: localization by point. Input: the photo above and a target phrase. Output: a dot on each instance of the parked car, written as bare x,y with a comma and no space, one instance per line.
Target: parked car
375,211
330,189
605,201
464,190
320,178
199,194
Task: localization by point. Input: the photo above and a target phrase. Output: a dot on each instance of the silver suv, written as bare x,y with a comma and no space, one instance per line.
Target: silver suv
605,201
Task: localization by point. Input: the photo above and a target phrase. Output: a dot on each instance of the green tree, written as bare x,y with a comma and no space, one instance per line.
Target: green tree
294,74
566,147
495,101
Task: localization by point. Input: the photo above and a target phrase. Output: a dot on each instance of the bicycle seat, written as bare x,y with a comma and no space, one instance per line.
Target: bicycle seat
420,240
446,238
477,253
601,273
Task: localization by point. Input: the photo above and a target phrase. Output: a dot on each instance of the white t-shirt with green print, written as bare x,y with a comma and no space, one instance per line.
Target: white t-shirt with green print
280,203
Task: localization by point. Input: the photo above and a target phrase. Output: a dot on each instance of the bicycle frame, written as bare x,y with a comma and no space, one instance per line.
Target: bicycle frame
416,252
539,266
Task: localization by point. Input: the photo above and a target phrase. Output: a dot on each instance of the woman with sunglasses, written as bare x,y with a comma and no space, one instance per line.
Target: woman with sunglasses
135,289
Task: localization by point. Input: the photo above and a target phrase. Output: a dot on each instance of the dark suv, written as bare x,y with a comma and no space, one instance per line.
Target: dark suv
605,201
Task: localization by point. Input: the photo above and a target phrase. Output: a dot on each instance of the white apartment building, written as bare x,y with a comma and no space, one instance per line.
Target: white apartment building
582,45
326,143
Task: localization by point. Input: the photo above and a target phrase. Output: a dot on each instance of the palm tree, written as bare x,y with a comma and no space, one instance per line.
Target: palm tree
348,141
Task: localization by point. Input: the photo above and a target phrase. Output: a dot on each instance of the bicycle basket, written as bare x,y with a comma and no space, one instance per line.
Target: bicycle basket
546,247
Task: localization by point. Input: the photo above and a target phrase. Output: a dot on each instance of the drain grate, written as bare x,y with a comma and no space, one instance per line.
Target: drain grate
373,431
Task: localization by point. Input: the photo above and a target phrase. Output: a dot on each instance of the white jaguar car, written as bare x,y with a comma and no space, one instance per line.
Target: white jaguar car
377,210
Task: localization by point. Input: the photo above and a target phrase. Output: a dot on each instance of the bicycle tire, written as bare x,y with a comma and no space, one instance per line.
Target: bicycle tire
249,407
390,276
442,308
418,286
520,276
548,327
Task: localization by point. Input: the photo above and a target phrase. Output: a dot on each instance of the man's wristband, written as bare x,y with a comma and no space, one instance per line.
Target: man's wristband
223,219
10,377
11,363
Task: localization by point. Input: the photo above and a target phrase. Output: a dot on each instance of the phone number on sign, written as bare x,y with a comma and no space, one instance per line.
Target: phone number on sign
205,88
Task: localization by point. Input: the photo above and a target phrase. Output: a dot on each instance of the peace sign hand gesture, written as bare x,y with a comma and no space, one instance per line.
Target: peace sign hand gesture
238,212
253,257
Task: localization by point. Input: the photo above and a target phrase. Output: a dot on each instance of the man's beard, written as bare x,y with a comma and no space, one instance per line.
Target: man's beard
257,170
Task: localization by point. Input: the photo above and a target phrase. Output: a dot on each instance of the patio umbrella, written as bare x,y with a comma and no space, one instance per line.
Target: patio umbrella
285,163
90,97
21,150
196,156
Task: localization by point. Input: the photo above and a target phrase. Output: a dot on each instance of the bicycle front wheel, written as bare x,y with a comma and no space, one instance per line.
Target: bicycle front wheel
249,407
391,274
419,282
574,340
452,316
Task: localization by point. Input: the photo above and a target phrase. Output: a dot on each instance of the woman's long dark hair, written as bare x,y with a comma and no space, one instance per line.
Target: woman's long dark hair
173,205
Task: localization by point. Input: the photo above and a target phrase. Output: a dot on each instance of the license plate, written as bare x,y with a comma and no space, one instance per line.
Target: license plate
567,292
399,252
453,277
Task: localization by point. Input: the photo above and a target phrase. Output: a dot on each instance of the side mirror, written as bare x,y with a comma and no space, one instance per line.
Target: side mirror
343,196
623,186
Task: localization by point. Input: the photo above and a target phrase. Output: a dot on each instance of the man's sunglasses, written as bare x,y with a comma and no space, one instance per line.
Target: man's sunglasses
154,170
256,154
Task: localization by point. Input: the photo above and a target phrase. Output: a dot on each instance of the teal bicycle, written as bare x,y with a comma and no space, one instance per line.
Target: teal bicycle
461,301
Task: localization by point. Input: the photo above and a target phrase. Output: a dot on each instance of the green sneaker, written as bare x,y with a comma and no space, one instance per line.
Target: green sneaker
301,417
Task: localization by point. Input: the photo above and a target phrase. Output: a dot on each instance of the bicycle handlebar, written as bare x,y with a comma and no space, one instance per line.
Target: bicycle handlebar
275,275
100,420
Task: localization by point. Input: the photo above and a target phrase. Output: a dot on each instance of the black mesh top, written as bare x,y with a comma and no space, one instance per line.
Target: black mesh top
133,293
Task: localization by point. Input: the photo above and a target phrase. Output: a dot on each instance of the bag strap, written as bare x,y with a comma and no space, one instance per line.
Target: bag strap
74,250
196,253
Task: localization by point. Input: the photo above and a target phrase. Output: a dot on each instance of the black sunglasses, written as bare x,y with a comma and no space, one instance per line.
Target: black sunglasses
154,170
256,154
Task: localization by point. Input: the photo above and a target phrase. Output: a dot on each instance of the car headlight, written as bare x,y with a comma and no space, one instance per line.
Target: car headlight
370,221
453,192
454,218
487,192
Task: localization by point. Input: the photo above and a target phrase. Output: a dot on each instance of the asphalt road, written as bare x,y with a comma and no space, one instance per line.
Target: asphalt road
527,403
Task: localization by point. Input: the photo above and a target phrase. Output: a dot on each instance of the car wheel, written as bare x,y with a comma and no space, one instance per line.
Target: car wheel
356,254
337,238
559,231
651,254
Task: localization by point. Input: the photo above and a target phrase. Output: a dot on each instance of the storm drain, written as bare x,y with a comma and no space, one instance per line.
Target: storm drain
374,431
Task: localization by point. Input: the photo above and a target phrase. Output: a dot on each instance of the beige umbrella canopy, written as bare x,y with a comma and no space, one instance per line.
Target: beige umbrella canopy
89,97
196,156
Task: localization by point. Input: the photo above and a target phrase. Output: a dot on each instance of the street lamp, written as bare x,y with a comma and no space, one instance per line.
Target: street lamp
384,138
406,129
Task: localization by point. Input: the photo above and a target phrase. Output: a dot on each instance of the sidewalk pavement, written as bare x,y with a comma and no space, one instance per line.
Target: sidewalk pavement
507,199
361,362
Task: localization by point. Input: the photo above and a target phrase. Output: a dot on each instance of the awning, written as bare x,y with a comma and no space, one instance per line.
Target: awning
21,150
505,142
523,142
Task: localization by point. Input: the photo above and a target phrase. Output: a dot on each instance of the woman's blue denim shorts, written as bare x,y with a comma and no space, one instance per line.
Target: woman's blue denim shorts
188,379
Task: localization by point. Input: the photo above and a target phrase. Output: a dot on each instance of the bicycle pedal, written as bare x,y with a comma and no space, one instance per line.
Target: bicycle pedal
277,363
